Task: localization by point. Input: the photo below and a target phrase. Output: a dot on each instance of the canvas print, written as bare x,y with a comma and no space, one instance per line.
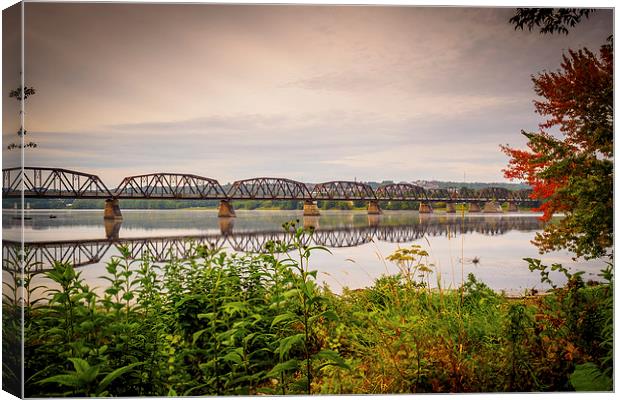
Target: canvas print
252,199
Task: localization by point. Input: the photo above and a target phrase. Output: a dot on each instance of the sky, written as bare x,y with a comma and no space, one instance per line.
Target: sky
311,93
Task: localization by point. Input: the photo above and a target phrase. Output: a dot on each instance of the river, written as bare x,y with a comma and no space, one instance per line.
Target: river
491,246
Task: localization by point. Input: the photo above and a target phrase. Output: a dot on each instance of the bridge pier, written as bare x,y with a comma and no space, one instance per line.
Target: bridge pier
450,209
311,222
226,209
373,207
112,210
373,220
474,207
311,209
425,208
492,207
226,225
512,207
112,228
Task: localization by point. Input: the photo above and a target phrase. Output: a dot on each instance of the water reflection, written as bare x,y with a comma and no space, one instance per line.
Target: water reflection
348,232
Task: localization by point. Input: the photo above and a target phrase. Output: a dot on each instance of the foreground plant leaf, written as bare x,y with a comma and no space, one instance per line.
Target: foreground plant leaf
589,378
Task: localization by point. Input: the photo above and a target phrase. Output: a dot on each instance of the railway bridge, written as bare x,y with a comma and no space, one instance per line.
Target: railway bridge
59,183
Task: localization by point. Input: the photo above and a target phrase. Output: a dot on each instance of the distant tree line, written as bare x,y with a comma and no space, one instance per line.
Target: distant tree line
95,204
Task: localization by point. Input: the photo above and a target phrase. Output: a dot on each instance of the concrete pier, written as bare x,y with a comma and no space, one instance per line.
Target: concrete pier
474,207
226,225
491,207
373,208
311,209
373,220
226,209
425,208
311,222
112,228
112,210
512,207
450,208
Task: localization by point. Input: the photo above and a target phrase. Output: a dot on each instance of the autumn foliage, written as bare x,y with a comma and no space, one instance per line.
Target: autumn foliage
569,162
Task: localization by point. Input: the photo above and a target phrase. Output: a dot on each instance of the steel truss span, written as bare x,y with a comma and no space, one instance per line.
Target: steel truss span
401,191
343,190
52,183
40,182
169,186
269,189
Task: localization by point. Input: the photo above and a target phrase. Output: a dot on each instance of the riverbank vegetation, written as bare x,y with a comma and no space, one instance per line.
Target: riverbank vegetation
220,323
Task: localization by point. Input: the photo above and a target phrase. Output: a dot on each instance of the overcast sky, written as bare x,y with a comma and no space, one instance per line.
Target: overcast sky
305,92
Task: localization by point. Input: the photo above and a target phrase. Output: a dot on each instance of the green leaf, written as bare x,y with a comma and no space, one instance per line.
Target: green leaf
188,392
290,293
210,315
233,307
90,374
71,380
286,317
80,365
197,335
87,326
588,378
327,314
234,356
115,374
289,365
287,343
332,356
127,296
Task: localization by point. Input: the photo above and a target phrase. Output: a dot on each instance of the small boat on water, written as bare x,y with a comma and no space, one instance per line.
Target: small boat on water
52,216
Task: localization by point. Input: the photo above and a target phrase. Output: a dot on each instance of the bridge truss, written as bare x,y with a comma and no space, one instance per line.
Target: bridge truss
269,189
343,190
39,182
52,183
169,186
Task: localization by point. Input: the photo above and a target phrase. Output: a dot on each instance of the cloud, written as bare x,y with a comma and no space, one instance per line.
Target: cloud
213,123
305,147
311,93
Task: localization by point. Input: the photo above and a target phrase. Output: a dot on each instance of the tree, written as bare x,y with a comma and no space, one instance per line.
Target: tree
21,94
572,172
549,20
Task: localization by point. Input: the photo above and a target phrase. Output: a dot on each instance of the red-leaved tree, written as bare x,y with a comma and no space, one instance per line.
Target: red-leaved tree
571,172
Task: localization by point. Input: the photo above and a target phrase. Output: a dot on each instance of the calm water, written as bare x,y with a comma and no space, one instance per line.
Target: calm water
358,243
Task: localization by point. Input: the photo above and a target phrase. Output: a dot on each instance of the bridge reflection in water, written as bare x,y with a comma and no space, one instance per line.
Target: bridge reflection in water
41,255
